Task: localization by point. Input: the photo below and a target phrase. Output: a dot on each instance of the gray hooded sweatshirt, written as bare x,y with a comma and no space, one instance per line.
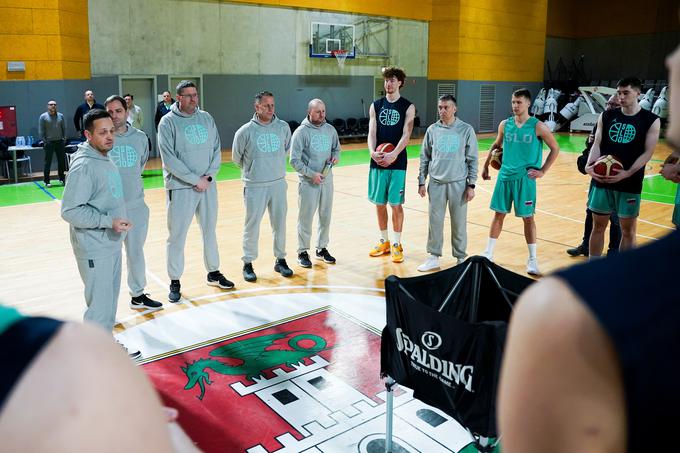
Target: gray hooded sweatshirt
311,147
189,146
260,151
93,197
449,153
129,153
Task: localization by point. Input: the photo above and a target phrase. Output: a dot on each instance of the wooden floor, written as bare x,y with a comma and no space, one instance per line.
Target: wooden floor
39,274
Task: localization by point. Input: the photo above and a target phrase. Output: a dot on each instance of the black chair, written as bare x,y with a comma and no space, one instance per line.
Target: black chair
340,126
352,125
293,125
363,126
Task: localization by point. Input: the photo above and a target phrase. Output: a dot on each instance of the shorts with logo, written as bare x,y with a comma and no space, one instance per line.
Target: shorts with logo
606,201
521,192
386,186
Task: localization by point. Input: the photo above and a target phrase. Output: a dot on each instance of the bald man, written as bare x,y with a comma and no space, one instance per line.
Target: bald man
89,104
315,148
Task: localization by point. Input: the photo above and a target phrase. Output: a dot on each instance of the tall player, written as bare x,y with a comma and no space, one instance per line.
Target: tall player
129,153
521,136
390,121
630,133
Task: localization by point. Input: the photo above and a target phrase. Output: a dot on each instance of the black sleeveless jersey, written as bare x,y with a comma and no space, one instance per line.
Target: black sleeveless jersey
623,137
390,118
634,297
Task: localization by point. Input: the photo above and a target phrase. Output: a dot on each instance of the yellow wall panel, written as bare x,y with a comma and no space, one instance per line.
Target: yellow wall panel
46,35
45,21
16,20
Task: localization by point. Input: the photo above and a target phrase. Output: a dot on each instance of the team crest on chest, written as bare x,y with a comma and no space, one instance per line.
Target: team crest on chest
320,143
622,132
115,184
196,134
268,143
124,156
449,143
389,117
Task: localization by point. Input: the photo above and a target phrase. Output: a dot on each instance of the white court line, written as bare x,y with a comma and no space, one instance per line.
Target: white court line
582,222
185,301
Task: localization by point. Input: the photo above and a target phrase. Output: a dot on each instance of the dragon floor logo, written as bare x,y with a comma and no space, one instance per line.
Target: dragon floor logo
254,356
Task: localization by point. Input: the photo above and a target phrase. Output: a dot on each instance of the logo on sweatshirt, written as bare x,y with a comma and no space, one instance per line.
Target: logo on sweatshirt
268,143
123,156
196,134
115,184
320,143
449,143
389,117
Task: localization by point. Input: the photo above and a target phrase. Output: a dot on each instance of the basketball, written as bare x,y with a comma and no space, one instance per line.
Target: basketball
496,158
385,148
607,166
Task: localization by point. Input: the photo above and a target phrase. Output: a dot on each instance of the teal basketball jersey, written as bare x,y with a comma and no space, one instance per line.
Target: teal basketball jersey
522,149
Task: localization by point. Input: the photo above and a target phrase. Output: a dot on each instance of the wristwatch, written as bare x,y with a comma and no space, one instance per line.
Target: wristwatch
471,186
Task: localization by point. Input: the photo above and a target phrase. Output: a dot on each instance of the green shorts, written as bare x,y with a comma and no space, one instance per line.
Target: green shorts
386,186
606,201
520,192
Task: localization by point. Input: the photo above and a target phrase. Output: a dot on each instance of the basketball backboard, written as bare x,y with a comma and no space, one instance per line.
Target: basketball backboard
327,38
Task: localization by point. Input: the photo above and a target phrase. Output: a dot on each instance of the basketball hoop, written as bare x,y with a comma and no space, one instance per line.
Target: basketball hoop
341,56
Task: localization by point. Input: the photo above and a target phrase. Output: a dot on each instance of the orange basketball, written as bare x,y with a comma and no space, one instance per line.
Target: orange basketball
385,148
607,166
496,158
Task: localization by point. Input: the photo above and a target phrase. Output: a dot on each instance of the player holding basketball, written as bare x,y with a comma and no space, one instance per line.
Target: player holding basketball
449,155
190,149
629,133
521,136
129,153
390,121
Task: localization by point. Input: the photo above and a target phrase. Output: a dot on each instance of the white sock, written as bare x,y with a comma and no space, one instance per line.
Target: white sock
396,238
383,235
532,251
490,244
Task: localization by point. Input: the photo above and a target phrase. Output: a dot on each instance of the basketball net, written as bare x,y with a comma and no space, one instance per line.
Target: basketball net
341,56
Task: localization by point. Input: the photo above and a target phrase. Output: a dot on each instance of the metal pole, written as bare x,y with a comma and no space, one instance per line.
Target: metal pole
14,163
474,297
389,412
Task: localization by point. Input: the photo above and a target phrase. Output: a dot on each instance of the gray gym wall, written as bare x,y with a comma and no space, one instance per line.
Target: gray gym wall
612,58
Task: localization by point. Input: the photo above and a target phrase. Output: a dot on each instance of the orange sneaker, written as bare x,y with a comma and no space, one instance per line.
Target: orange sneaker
397,253
383,248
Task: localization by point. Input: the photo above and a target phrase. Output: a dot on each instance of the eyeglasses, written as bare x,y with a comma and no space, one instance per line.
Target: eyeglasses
189,95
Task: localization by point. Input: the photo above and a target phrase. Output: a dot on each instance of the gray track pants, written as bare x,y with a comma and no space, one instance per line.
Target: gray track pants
310,198
258,199
102,285
134,249
183,205
439,195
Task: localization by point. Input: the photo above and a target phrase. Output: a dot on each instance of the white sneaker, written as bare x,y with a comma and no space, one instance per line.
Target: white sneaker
532,267
430,264
487,255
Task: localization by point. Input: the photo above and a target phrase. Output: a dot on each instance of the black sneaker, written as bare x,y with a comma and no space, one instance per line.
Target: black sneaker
216,278
174,295
303,259
282,267
323,254
144,302
134,354
249,273
577,251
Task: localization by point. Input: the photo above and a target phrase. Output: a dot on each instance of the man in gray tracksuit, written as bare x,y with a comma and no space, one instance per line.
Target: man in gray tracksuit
129,153
94,206
190,149
449,155
314,148
260,149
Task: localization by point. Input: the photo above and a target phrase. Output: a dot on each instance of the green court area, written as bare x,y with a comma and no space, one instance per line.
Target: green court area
655,187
